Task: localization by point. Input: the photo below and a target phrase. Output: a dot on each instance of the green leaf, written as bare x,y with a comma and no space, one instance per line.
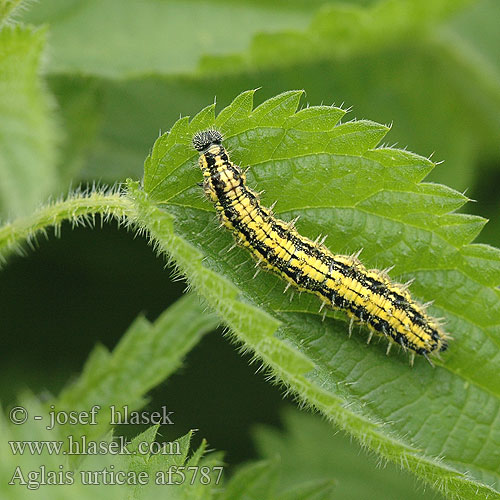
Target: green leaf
27,131
147,36
8,8
201,480
259,480
406,62
478,27
310,490
80,114
341,30
254,481
309,450
424,419
401,42
25,471
145,356
29,473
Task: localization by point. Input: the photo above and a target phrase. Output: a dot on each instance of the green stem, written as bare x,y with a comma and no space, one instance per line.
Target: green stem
77,209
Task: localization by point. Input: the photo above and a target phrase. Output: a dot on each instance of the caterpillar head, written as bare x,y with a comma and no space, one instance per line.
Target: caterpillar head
204,139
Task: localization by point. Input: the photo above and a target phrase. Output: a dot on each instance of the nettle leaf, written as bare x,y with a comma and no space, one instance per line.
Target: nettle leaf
181,37
412,48
147,354
304,447
8,8
88,482
28,134
260,480
196,484
340,30
24,475
357,50
440,423
156,37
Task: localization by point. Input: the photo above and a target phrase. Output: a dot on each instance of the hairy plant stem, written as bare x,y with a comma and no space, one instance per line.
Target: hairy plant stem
77,209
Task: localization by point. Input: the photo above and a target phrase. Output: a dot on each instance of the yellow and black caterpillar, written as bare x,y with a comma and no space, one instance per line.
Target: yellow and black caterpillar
342,282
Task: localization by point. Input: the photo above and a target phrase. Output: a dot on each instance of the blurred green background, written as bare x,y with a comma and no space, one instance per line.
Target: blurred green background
110,75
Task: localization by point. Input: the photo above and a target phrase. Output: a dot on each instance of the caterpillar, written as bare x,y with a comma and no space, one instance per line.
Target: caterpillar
342,282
